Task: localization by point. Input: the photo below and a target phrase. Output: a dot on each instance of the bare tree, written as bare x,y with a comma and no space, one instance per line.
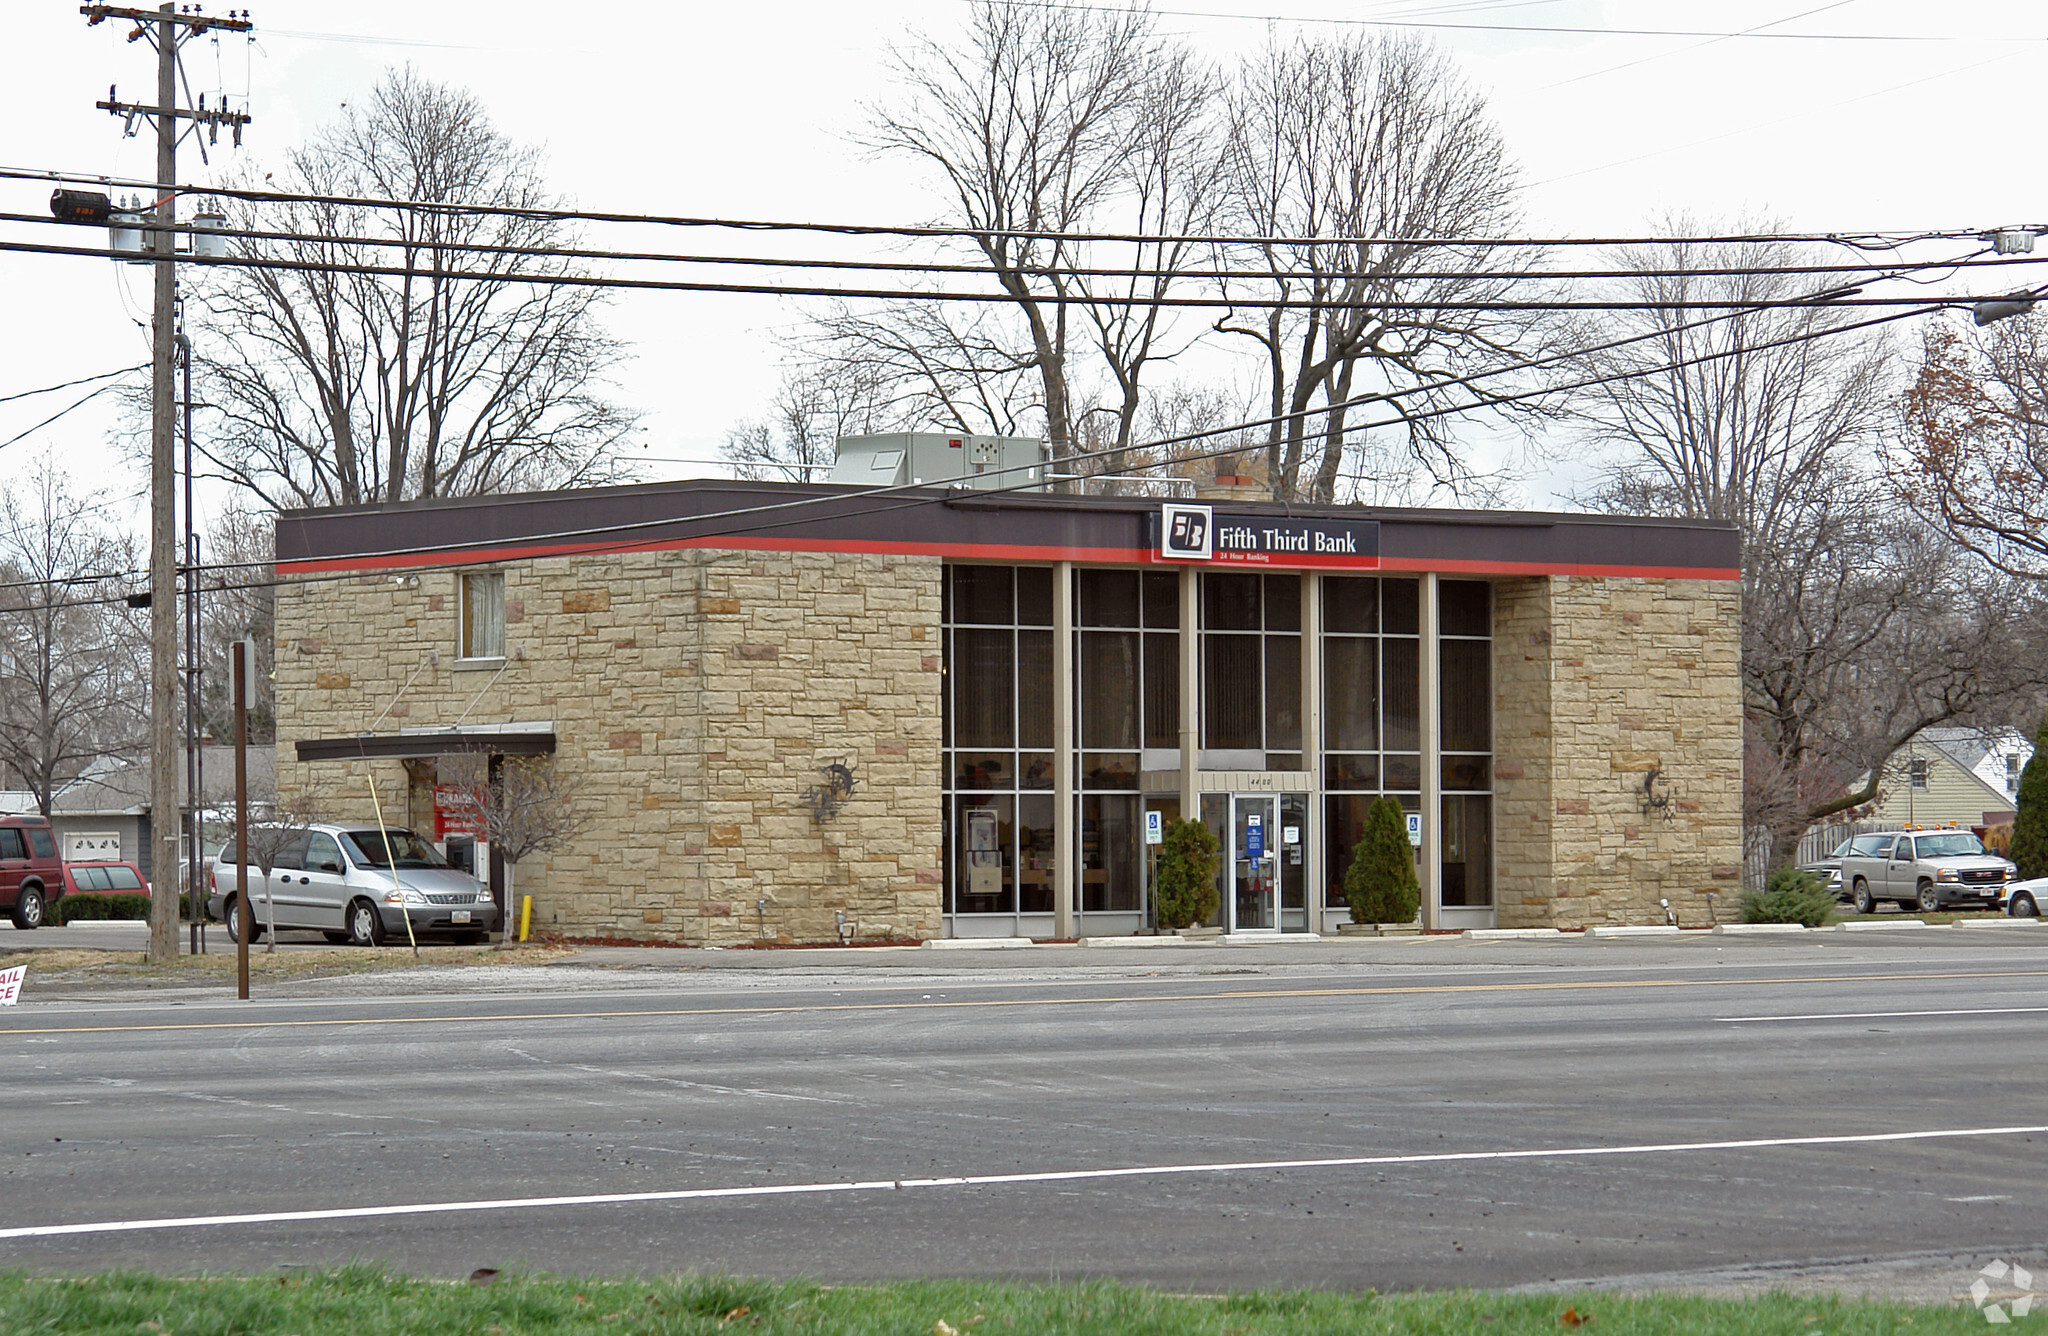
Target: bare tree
1861,627
285,822
813,407
1029,125
238,598
932,364
530,806
336,387
73,663
1368,143
1975,457
1169,183
1860,631
1759,416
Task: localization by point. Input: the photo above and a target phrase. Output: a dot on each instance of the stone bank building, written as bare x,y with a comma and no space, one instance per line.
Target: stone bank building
806,712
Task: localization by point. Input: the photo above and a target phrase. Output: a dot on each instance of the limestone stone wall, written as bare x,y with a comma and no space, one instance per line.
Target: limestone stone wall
698,694
1598,681
1524,883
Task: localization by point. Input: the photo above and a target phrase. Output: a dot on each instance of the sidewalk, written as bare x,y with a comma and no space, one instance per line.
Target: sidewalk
448,971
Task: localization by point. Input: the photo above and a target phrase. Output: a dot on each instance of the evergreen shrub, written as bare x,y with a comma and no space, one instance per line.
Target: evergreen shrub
2029,847
1184,892
94,905
1790,896
1380,884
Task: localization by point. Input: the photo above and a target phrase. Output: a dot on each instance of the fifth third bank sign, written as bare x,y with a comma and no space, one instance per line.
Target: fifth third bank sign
1197,533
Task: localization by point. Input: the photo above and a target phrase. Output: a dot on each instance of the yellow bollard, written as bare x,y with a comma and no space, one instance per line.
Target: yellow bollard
525,915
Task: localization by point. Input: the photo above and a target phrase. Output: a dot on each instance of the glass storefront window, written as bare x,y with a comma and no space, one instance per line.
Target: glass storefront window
1162,600
998,722
1035,848
1251,666
1467,694
1401,701
1468,850
1108,686
1351,692
982,678
1109,853
1105,598
984,854
1162,689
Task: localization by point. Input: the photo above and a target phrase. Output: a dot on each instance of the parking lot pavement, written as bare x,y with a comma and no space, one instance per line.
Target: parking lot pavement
120,935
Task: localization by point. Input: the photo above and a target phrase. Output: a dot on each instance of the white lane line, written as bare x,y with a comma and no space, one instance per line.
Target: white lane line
996,1180
1885,1015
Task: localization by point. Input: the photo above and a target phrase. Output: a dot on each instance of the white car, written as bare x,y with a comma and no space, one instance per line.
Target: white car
356,884
2023,898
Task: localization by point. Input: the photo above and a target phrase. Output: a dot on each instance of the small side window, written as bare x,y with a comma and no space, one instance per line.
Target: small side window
120,878
90,878
483,615
1916,770
11,845
323,854
40,840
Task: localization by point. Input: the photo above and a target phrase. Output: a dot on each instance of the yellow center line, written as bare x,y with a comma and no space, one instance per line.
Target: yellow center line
923,1004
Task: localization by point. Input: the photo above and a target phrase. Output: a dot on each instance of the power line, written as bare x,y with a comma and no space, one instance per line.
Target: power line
1569,30
1403,419
1861,240
82,380
902,502
1219,302
899,490
78,403
1978,260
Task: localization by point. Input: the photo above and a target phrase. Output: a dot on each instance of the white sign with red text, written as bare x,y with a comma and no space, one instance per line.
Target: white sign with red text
10,985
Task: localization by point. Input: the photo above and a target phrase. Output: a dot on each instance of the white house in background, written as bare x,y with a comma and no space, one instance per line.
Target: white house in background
1959,776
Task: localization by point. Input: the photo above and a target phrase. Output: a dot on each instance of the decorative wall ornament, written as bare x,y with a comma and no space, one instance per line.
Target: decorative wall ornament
825,799
1656,795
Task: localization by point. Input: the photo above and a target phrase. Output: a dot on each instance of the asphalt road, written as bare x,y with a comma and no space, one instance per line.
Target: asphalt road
1592,1088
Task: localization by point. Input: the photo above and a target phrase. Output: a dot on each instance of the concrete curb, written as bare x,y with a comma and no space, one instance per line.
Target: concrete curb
1632,930
1760,927
1505,934
1883,927
1268,938
1997,923
974,943
1162,940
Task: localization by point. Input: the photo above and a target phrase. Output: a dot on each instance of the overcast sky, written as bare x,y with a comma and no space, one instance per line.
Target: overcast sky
1903,116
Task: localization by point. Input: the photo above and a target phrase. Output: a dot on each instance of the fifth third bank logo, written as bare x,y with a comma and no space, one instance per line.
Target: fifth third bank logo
2008,1306
1187,532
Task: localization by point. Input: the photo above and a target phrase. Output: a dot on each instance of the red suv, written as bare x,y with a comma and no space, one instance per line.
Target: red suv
29,869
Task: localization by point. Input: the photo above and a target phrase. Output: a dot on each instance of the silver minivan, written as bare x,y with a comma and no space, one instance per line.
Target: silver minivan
356,884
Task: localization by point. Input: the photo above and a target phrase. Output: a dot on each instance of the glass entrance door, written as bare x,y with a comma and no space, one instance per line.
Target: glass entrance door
1254,862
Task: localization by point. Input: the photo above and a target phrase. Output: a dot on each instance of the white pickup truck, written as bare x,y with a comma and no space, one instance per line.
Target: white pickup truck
1924,870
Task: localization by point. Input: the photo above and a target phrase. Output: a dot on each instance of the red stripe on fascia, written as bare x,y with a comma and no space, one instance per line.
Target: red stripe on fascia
1447,566
485,555
999,552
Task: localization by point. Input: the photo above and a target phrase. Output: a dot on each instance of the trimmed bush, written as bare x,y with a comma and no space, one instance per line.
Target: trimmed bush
1790,896
1380,884
94,905
1184,893
2029,848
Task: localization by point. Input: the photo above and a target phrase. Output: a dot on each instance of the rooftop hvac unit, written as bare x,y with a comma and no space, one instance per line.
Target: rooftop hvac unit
940,459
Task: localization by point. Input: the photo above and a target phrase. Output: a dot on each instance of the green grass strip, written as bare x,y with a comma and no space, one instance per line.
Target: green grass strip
362,1299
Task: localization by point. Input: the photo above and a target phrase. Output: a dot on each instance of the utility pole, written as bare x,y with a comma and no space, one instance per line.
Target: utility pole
165,27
